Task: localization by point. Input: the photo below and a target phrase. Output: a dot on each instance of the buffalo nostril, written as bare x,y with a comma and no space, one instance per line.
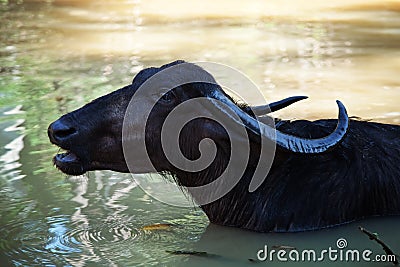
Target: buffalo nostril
64,133
59,131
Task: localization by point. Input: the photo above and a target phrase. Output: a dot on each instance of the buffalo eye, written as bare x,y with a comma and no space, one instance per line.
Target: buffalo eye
168,97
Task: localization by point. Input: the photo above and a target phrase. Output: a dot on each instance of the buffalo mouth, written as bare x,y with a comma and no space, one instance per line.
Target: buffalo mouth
69,163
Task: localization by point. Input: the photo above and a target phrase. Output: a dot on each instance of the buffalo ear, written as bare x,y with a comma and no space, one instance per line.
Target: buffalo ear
216,132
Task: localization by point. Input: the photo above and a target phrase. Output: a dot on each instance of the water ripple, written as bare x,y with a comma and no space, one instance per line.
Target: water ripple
104,233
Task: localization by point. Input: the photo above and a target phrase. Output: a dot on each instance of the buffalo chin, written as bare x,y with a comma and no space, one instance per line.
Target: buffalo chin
69,163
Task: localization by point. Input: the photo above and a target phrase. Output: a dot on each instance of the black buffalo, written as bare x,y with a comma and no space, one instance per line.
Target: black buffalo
324,173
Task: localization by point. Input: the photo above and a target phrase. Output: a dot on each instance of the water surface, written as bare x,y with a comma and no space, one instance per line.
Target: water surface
57,55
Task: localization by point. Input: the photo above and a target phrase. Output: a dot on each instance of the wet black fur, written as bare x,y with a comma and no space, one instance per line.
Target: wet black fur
359,178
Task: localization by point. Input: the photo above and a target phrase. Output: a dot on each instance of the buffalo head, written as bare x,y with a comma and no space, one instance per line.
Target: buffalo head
93,135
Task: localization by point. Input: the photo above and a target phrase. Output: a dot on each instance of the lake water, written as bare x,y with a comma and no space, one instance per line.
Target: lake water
57,55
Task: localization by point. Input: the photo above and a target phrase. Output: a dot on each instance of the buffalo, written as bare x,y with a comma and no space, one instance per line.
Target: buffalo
322,173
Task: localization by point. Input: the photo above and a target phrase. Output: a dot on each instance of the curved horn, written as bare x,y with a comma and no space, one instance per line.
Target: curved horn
274,106
287,141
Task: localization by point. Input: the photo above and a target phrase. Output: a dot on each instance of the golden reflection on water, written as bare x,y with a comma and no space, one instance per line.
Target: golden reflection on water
328,50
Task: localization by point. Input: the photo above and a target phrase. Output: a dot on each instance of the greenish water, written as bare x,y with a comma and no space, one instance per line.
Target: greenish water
57,55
